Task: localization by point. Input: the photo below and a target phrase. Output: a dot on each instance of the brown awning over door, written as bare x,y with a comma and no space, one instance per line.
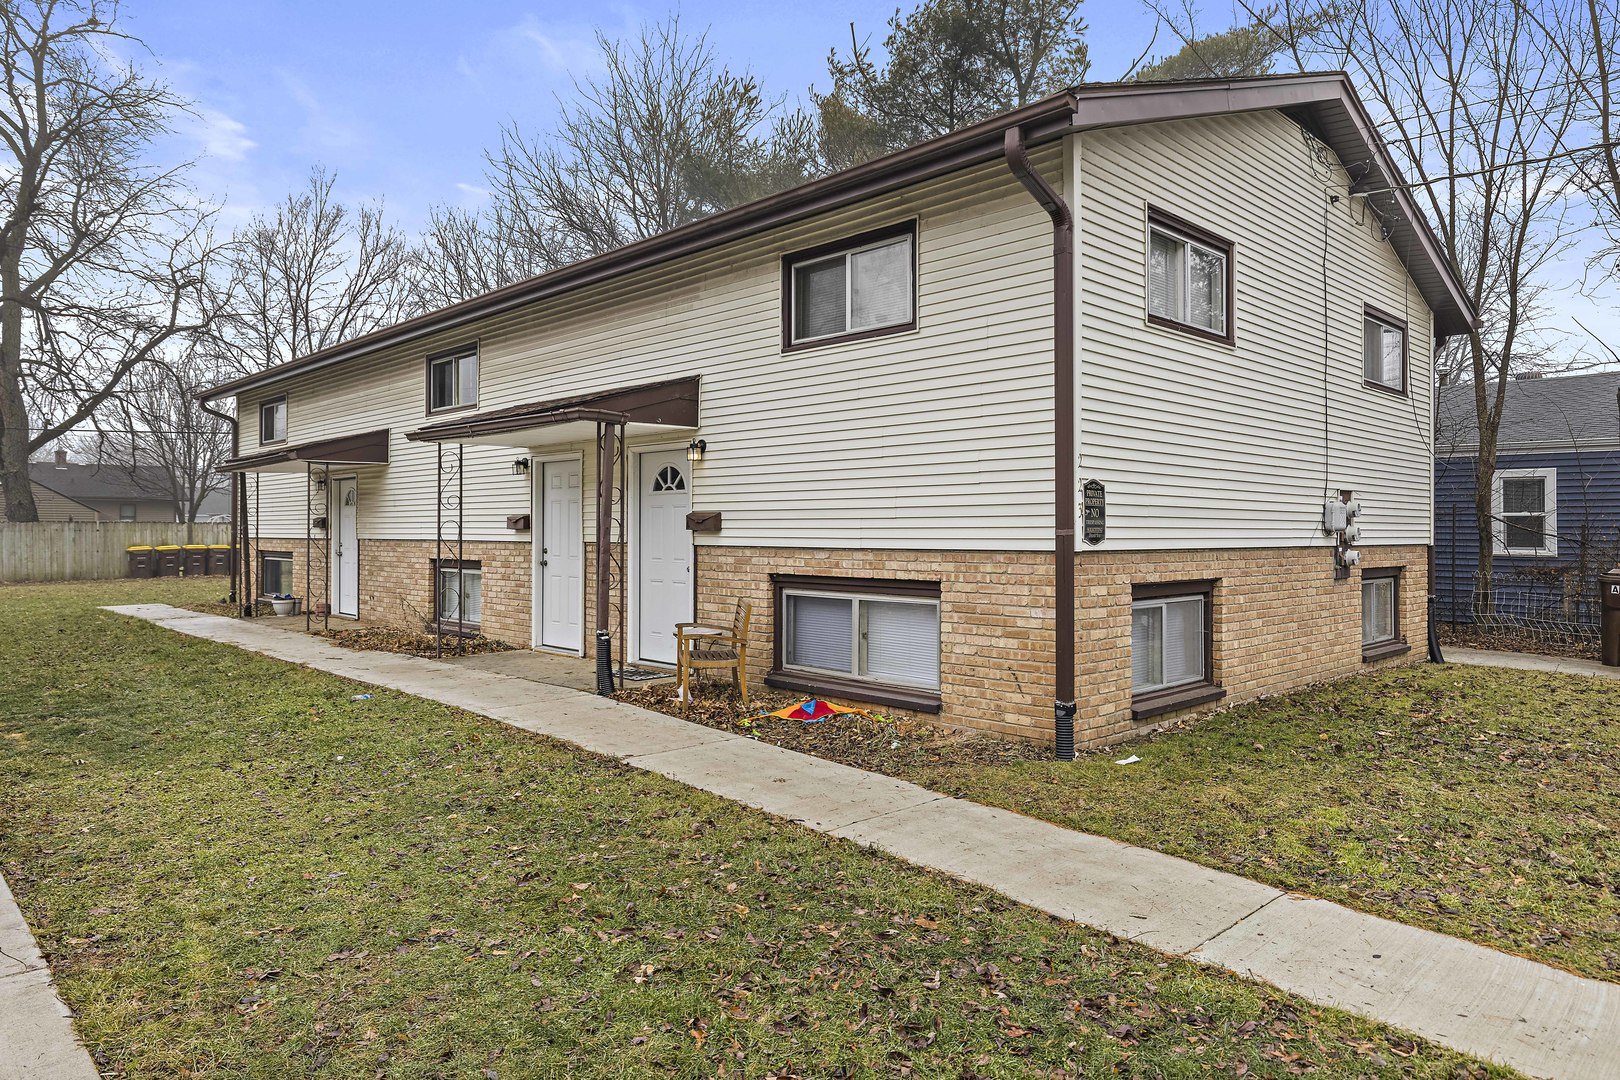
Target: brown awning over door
667,404
367,448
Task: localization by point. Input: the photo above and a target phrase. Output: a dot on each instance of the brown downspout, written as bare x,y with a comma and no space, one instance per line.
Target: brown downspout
1063,434
1063,707
239,586
606,435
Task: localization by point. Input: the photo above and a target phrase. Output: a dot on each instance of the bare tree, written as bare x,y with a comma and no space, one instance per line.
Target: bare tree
155,432
102,256
313,274
666,135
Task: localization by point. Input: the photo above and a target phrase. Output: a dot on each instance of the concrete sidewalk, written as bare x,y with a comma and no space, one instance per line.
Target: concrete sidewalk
36,1029
1540,1020
1566,665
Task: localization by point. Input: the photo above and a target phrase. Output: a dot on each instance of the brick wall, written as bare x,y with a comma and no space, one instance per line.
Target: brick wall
1281,621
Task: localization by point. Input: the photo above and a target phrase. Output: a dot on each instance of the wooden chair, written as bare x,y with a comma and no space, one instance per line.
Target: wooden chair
704,646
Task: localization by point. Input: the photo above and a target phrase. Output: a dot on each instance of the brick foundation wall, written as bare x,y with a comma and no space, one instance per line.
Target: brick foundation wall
1281,621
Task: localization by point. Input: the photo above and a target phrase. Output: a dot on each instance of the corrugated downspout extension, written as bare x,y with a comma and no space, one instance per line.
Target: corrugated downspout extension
1063,436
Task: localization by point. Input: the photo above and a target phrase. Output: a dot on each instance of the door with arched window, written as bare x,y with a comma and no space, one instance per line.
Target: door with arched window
663,554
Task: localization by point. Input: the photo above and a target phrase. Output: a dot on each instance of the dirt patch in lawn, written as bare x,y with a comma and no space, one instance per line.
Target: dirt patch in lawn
409,642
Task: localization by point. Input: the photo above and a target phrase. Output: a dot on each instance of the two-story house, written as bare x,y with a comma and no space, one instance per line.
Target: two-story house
1028,428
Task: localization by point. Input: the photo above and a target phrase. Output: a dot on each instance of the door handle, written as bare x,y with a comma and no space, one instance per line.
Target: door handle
544,563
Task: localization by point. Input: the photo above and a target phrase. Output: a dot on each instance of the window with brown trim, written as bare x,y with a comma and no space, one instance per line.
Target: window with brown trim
275,573
1381,613
860,287
458,594
452,379
1384,351
1172,647
273,420
1189,277
871,639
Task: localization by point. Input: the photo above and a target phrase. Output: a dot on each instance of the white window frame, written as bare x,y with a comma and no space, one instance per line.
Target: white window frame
1394,583
858,650
1399,387
1184,317
463,573
280,405
794,266
1203,676
1549,548
455,359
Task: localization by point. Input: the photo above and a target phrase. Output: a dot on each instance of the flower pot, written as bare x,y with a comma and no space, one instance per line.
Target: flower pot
282,607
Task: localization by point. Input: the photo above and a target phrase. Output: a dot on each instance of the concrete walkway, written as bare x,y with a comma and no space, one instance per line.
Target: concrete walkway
1540,1020
36,1029
1566,665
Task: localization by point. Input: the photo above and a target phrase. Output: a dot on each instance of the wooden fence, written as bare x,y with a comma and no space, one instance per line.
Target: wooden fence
74,550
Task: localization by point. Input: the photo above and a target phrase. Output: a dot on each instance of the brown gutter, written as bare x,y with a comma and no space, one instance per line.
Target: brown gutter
1063,488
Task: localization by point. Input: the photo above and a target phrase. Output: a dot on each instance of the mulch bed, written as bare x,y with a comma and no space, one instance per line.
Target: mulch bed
878,744
1510,639
409,642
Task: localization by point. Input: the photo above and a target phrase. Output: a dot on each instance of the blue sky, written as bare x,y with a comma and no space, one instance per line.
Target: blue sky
400,99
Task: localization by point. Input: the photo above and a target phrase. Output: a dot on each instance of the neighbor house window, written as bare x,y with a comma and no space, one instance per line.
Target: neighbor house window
126,511
1380,612
1524,503
859,287
1383,352
1172,627
870,639
273,421
276,573
460,592
1189,277
453,380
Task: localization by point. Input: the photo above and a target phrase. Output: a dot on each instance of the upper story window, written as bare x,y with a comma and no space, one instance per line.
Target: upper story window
856,288
273,421
453,380
1383,352
1189,277
1524,503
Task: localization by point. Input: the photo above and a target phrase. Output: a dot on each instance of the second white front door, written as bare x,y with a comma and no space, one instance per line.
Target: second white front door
663,554
345,534
562,556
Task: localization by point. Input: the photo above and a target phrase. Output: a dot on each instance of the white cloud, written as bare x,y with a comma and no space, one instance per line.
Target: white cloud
220,136
322,130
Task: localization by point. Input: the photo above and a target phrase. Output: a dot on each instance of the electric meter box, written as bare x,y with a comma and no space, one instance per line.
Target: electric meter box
1335,516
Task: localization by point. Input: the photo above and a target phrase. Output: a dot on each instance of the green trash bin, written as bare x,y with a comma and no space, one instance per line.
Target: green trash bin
221,557
142,561
194,560
170,558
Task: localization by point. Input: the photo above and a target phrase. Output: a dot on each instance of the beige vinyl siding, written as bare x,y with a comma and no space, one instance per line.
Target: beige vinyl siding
939,438
1202,445
55,507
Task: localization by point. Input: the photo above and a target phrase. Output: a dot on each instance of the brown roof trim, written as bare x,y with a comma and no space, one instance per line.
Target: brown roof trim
671,402
1327,102
367,448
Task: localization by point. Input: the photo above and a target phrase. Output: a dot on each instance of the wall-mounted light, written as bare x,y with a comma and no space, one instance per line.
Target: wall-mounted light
694,450
520,467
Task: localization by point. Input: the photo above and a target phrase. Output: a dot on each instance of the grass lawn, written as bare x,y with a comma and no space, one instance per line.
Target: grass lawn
1479,802
238,871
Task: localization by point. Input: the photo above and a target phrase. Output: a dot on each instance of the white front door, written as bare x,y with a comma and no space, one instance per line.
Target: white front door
346,548
663,554
562,556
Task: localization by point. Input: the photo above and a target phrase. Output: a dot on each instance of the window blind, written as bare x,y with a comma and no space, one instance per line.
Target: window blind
1147,657
902,642
1377,610
818,298
1164,276
880,286
1167,643
820,630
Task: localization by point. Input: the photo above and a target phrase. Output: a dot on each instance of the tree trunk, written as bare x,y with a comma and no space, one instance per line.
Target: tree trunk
1484,520
14,431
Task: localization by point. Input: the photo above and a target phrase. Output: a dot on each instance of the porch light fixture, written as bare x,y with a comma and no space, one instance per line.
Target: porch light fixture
520,467
694,450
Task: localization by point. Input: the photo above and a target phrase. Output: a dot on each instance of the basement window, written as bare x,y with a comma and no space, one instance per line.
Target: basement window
1172,655
1381,613
872,640
458,594
861,287
275,573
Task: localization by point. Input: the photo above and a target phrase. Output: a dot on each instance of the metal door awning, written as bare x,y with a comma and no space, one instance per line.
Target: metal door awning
647,408
367,448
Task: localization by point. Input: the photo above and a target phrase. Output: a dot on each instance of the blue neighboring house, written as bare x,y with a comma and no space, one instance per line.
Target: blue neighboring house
1555,499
